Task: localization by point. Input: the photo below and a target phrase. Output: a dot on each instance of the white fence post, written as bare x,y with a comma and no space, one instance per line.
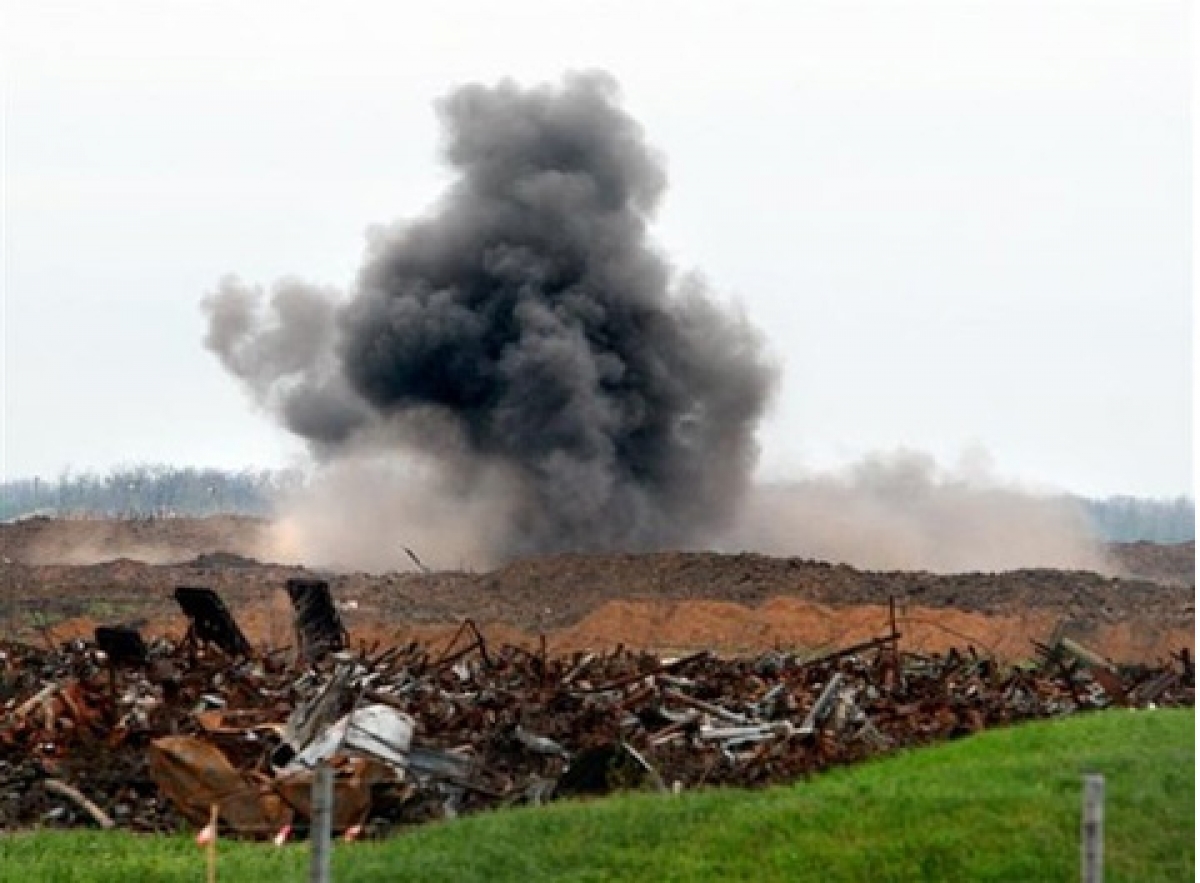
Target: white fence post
1092,845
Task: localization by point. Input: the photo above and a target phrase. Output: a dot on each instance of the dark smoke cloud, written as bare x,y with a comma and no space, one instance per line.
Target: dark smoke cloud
525,327
285,355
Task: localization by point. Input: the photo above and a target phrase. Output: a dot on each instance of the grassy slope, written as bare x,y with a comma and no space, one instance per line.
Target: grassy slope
1000,806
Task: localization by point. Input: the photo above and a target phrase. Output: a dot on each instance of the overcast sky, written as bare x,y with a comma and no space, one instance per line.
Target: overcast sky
964,227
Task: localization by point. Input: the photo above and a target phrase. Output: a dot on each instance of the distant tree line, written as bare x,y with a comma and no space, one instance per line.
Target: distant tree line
165,491
148,491
1129,519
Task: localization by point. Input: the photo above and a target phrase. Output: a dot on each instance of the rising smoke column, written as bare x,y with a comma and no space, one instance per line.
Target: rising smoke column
525,327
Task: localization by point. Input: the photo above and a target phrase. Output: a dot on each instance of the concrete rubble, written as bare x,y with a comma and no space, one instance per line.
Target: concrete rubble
149,735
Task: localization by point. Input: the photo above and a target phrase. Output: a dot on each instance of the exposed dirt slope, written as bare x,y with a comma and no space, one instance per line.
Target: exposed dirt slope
661,600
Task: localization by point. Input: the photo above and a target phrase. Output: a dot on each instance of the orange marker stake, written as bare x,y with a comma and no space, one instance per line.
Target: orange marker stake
207,837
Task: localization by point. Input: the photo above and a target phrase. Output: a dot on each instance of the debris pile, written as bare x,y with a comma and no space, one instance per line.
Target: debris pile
151,735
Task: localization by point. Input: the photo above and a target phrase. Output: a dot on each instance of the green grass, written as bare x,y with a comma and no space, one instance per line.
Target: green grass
1003,805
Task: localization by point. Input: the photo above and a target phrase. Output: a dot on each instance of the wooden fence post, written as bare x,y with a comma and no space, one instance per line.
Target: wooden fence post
1092,845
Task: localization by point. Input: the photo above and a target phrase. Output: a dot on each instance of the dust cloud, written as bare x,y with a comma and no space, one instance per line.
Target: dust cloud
902,511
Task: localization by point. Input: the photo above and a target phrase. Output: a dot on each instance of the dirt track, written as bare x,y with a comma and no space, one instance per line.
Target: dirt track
667,600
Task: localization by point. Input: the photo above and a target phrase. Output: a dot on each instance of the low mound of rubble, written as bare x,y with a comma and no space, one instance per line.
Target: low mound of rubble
119,733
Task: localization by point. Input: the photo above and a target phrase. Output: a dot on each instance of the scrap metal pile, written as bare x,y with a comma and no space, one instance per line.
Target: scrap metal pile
118,732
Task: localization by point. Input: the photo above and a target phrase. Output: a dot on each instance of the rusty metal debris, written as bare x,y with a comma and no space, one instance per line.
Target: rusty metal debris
211,621
121,644
319,628
413,734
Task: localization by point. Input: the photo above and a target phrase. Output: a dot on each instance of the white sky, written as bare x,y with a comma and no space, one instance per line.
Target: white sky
962,225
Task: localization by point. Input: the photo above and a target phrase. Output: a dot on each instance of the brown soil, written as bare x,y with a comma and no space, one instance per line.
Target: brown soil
660,601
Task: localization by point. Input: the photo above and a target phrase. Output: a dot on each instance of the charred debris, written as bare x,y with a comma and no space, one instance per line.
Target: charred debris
149,735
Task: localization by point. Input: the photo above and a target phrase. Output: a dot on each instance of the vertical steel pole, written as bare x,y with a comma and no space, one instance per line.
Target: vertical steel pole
322,824
1092,847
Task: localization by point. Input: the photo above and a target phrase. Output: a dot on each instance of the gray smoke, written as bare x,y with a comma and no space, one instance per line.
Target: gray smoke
525,328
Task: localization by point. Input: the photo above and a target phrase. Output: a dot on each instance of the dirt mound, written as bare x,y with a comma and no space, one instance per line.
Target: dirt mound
792,624
665,600
559,590
152,540
223,559
1167,563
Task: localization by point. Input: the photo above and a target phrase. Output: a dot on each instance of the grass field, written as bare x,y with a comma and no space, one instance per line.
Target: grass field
1003,805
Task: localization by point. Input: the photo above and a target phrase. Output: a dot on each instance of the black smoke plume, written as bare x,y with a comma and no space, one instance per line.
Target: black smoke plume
527,328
